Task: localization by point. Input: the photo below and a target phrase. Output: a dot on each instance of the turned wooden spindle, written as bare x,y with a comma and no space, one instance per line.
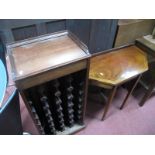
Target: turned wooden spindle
36,117
70,103
79,102
58,102
46,109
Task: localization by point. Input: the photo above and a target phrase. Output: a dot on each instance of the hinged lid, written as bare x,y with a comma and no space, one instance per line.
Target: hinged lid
40,54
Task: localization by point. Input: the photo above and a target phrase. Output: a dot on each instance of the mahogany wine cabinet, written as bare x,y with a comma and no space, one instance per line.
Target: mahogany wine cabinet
51,73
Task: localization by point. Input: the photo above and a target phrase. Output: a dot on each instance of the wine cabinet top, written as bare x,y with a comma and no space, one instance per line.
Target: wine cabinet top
36,55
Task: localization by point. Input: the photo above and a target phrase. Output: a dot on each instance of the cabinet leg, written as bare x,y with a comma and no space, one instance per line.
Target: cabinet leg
147,94
112,94
130,92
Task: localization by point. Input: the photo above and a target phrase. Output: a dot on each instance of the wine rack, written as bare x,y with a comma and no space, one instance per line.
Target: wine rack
36,117
79,96
61,102
51,73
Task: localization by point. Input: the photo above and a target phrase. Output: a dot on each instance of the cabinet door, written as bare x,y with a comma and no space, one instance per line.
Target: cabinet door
81,28
19,29
97,34
102,34
24,32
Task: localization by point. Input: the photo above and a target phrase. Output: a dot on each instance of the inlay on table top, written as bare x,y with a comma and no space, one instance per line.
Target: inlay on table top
118,66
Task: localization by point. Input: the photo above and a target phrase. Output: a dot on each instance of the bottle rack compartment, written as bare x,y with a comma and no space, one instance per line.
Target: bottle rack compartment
57,106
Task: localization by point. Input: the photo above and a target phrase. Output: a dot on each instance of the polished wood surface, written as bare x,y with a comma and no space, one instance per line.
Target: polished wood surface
118,66
50,75
42,55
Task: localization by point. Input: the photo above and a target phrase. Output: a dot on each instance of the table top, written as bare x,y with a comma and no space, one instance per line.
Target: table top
3,81
43,54
118,66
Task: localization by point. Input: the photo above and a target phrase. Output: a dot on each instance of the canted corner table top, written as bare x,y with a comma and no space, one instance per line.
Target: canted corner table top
39,56
118,66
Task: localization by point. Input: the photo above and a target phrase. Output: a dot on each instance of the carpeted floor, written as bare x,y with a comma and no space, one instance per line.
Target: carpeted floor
131,120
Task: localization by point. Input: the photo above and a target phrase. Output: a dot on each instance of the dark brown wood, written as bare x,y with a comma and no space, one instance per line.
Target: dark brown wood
130,92
148,78
52,86
36,117
29,110
111,96
67,99
55,89
147,94
148,82
86,90
26,56
46,108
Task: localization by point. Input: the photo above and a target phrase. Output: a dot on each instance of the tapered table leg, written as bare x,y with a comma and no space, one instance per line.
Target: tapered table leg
147,94
112,94
130,92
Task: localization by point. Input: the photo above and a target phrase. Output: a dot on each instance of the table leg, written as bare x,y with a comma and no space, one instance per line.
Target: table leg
112,94
147,94
130,92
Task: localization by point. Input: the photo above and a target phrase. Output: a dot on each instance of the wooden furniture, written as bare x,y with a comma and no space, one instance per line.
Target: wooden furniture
148,79
10,117
145,44
97,34
3,81
115,68
130,29
51,73
148,82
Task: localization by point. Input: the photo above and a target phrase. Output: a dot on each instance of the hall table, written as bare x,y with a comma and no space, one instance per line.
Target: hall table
116,67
